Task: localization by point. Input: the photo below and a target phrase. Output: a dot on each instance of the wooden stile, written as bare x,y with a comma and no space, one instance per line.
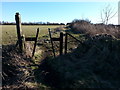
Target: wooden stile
22,38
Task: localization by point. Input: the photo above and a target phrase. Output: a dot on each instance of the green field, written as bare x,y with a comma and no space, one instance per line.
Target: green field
9,33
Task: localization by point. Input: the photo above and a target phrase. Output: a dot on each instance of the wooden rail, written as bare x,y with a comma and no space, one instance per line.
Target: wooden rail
66,39
74,38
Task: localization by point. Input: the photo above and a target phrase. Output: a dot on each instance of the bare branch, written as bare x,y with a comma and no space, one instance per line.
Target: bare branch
107,14
113,15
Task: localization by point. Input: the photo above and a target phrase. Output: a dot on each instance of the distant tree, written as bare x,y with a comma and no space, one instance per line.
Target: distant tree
3,22
48,23
68,23
81,21
107,14
62,24
76,20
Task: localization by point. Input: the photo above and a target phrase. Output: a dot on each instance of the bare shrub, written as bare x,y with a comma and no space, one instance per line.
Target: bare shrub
85,27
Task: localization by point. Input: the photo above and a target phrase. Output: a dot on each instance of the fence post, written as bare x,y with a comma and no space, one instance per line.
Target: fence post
61,43
66,37
51,42
19,31
35,42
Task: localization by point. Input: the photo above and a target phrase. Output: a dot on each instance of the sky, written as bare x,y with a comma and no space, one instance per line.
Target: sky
58,12
119,13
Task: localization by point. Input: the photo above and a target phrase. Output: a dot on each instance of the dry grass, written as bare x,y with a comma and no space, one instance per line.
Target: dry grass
14,66
89,29
95,65
18,70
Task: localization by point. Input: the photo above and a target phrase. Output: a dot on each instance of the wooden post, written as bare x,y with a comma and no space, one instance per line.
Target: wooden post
19,31
35,42
51,42
66,37
61,43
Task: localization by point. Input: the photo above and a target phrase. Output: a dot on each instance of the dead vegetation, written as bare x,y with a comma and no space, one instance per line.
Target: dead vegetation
18,68
15,68
95,65
89,29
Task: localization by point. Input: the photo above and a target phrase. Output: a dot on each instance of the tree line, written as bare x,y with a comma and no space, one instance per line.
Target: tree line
30,23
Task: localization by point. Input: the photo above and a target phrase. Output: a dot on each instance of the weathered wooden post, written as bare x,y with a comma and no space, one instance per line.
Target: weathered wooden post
66,37
35,42
61,43
51,42
19,31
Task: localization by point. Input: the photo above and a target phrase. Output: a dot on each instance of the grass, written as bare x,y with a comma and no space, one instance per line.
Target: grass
9,34
95,65
86,66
